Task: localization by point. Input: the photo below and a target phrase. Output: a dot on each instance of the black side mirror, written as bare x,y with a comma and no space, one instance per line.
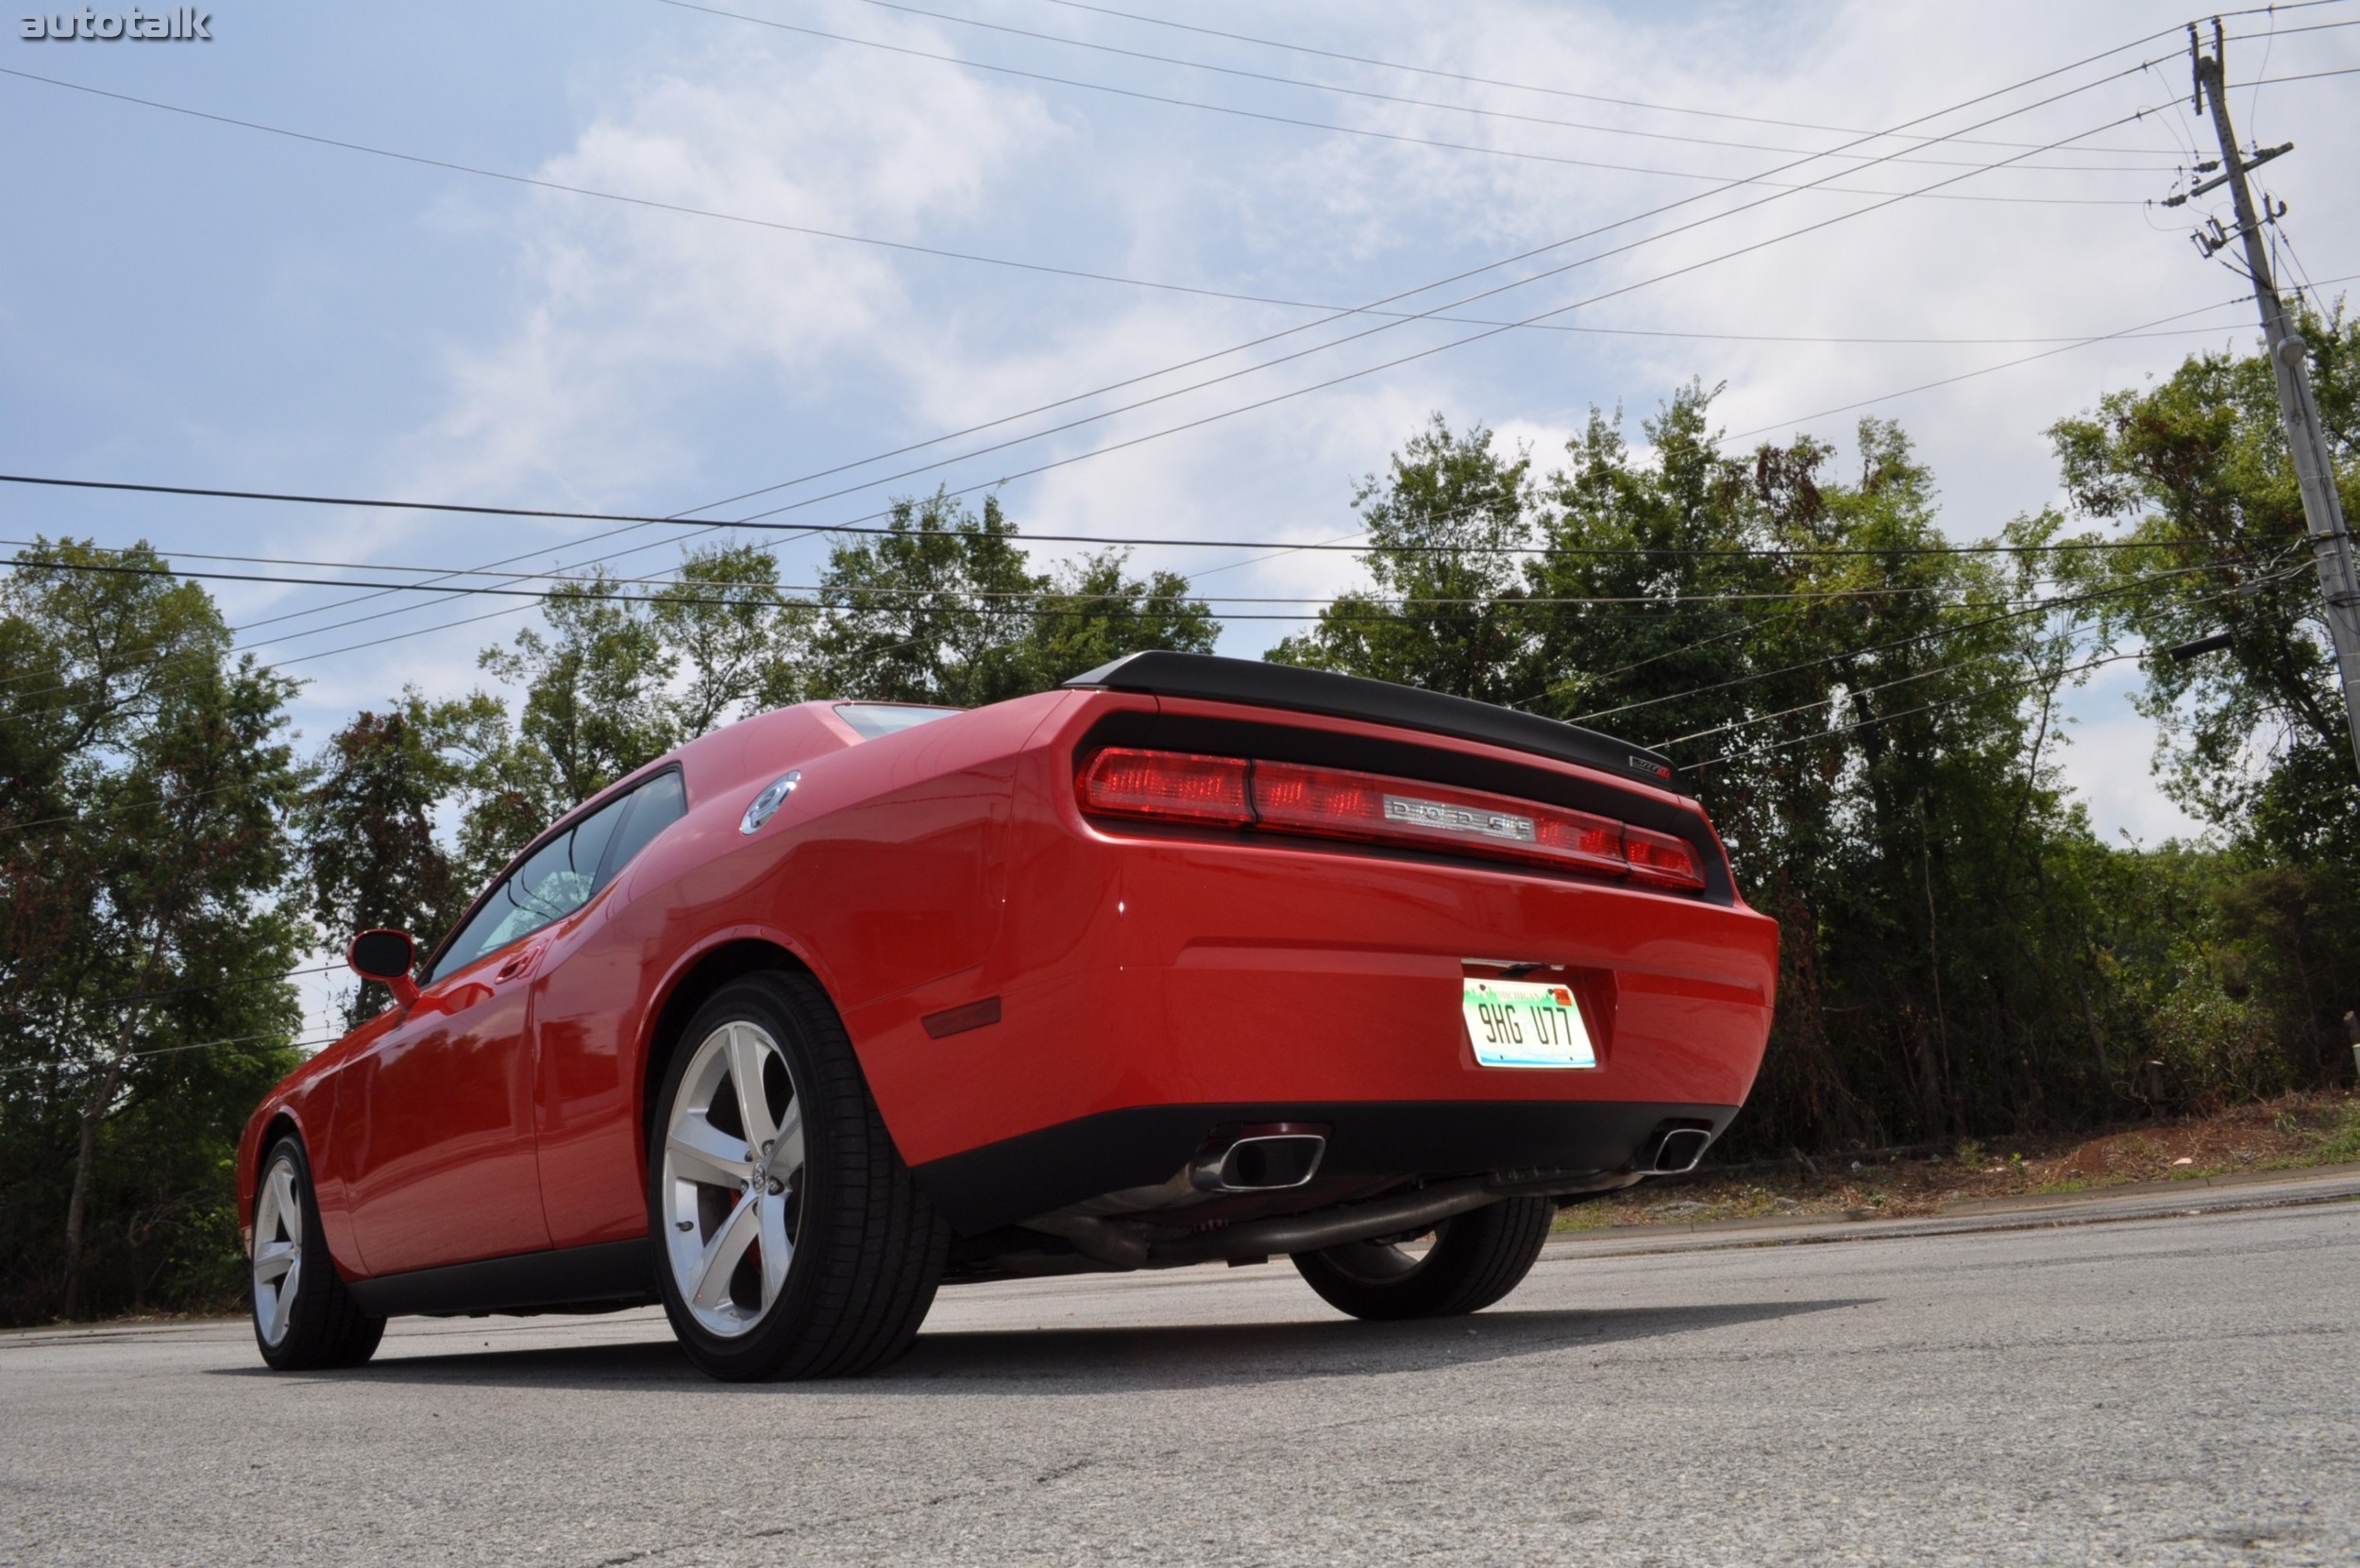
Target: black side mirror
386,958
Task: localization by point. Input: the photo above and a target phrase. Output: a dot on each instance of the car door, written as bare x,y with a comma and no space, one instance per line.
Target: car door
436,1117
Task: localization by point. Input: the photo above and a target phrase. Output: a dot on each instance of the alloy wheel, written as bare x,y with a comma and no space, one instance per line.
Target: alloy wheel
732,1190
278,1250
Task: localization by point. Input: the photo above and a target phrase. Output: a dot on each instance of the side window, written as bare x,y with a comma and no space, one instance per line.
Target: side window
654,806
557,878
560,876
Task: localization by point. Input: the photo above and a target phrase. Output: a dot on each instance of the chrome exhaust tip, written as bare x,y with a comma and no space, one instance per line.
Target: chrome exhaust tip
1679,1149
1260,1160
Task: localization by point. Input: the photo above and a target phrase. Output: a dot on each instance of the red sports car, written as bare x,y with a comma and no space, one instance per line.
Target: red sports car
1193,959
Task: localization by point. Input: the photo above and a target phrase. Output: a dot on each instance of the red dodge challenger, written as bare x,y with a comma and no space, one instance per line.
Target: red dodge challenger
1193,959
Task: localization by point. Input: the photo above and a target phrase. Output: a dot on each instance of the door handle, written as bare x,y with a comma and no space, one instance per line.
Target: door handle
517,964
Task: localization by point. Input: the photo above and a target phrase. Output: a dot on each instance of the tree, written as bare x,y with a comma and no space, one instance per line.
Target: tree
726,622
1090,613
371,854
595,702
2252,737
1445,614
936,611
146,1000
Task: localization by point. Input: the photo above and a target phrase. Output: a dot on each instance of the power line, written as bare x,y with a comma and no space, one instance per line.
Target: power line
1430,103
129,997
585,190
1566,92
1718,552
758,519
1330,128
286,1043
1734,726
1031,598
2041,606
2045,75
1839,731
1970,374
1403,295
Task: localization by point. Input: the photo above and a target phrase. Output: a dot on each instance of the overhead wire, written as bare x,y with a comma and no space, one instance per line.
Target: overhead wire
1967,103
1781,551
1850,694
751,596
761,519
1331,128
1568,92
1967,375
2044,605
1476,110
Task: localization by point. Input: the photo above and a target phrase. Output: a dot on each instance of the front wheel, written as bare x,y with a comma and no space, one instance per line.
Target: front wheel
304,1318
791,1240
1475,1259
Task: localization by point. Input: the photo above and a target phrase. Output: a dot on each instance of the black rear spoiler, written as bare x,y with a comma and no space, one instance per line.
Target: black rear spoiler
1319,691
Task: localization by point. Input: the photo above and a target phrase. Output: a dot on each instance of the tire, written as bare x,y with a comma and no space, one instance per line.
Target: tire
1476,1258
304,1318
805,1251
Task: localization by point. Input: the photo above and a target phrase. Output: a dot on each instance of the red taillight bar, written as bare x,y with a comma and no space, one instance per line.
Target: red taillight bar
1332,802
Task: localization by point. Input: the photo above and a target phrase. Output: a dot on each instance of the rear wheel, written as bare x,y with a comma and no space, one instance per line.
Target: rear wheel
1475,1259
792,1240
304,1318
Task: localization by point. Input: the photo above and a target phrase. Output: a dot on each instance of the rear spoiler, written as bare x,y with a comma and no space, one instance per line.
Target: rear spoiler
1318,691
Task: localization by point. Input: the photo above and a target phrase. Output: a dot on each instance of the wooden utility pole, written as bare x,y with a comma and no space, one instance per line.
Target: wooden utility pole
2323,508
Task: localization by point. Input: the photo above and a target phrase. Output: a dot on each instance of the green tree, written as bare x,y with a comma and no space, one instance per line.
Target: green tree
1091,614
2251,739
146,1003
936,611
371,854
1445,613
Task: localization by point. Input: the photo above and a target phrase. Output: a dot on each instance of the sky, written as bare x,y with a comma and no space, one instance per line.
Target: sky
359,254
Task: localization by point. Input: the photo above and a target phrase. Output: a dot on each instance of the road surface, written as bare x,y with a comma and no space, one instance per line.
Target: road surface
2153,1390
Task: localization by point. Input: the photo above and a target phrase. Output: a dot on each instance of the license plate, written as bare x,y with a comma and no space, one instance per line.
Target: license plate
1525,1023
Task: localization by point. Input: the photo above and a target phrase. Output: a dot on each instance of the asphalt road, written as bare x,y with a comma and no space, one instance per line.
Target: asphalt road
2169,1391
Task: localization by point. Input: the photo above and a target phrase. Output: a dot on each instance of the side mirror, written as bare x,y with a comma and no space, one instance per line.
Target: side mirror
386,958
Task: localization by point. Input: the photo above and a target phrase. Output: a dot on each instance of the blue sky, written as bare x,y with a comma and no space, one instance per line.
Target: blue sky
186,301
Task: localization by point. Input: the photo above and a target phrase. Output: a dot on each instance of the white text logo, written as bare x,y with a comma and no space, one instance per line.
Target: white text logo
183,23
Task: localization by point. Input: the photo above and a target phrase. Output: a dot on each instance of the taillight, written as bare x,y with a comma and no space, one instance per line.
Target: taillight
1661,860
1331,803
1168,786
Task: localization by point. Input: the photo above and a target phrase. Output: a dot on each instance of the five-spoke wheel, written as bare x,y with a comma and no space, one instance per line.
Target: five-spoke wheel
791,1241
731,1186
303,1316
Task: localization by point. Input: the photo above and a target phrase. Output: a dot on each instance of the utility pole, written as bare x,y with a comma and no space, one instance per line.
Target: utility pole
2323,508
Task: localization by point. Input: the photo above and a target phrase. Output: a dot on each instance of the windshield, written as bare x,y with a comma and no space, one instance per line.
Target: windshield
875,719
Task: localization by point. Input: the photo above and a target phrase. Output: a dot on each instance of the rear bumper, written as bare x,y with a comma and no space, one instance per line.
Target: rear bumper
1145,986
1036,1173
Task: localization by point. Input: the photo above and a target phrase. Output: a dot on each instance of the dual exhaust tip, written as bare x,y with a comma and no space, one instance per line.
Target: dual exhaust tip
1277,1155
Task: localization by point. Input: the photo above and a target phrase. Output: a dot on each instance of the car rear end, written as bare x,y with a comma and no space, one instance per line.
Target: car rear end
1279,943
